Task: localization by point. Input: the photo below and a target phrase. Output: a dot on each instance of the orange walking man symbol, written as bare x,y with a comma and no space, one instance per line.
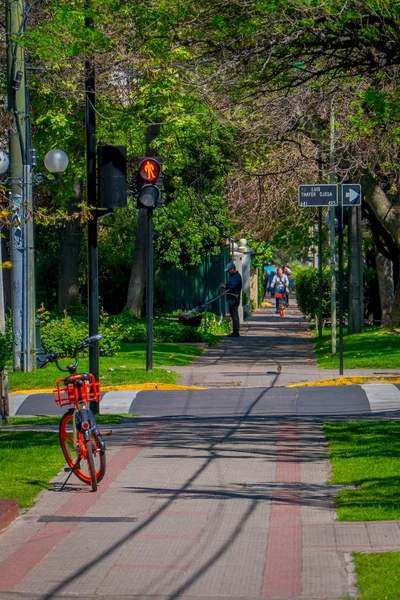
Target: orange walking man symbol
150,170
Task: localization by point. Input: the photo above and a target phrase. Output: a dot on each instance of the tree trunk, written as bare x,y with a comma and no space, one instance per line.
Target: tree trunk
386,288
70,243
389,218
137,280
356,290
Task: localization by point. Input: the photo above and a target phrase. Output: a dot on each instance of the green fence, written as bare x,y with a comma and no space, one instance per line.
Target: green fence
189,290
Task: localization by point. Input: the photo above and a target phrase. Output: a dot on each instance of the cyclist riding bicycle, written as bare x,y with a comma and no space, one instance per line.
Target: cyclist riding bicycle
280,285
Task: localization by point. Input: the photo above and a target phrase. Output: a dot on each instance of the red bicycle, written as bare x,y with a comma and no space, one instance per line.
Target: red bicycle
80,439
282,303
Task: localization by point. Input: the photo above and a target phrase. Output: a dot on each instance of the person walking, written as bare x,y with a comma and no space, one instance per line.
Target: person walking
280,285
288,272
265,283
233,289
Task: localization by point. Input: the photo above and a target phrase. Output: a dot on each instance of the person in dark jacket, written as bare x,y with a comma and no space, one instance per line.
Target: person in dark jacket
233,289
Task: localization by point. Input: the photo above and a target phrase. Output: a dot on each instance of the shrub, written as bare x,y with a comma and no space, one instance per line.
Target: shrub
4,351
216,325
63,334
307,291
133,329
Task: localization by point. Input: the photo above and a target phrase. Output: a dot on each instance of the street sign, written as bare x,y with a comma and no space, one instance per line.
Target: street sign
351,194
318,195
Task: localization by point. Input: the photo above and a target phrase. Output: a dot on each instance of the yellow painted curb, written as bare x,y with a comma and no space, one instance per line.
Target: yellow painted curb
131,386
150,386
266,304
356,380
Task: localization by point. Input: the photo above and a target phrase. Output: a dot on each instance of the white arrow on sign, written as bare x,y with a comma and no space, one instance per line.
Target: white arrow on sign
352,195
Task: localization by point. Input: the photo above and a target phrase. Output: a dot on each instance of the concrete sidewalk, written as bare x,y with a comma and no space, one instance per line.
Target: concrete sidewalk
194,509
268,344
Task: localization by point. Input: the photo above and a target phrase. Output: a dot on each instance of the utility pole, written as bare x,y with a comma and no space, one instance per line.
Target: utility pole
23,296
332,231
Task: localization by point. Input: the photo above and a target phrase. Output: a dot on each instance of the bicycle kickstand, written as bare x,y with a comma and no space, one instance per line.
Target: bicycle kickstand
69,475
69,470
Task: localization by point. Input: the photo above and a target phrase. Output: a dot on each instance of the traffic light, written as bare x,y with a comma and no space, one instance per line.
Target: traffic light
149,182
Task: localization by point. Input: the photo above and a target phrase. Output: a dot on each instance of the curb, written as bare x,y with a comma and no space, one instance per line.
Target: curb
356,380
8,511
133,387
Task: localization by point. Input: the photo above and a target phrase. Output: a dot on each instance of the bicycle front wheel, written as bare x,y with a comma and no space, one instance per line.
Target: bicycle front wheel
77,458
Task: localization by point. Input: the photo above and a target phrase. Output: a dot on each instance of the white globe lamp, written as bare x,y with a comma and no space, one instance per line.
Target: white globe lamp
4,162
56,161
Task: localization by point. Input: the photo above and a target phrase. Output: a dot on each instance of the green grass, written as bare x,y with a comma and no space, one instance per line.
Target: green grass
374,349
30,459
129,367
54,420
367,455
378,575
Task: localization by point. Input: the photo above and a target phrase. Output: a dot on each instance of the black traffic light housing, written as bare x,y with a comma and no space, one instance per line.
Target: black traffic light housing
149,180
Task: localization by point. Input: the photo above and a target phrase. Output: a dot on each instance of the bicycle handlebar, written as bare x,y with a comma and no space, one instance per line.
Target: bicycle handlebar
53,356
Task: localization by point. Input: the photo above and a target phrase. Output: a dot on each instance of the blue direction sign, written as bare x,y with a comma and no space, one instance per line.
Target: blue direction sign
318,195
351,194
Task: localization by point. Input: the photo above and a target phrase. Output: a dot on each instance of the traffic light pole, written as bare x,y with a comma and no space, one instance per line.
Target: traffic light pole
149,290
93,267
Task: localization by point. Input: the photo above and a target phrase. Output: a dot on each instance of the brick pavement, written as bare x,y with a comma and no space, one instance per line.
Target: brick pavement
194,508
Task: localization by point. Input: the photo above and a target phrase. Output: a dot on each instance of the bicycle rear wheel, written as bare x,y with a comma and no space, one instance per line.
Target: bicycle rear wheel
78,459
90,462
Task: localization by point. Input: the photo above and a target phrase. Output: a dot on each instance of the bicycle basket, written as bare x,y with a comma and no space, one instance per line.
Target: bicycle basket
76,390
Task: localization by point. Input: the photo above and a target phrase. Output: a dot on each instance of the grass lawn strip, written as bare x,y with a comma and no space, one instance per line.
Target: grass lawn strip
376,348
30,459
378,575
125,369
366,454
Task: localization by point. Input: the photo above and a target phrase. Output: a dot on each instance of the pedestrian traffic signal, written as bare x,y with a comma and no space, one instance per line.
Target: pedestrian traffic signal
149,182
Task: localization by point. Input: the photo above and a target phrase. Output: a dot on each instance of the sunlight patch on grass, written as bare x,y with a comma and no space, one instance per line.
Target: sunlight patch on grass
376,348
366,454
378,575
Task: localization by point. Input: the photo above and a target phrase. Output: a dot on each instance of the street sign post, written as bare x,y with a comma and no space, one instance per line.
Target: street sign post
351,194
318,195
328,196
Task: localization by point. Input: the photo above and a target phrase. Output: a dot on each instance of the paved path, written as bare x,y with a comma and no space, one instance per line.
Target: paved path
268,344
221,494
194,508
